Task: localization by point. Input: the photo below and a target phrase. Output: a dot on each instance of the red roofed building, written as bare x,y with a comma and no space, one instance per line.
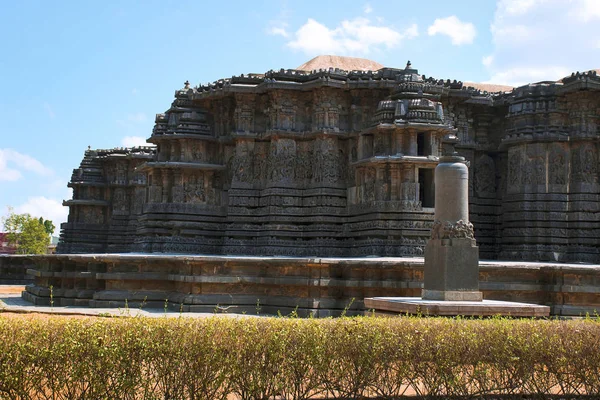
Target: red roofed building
5,247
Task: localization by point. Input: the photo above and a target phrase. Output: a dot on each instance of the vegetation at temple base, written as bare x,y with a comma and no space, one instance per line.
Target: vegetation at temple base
288,358
30,235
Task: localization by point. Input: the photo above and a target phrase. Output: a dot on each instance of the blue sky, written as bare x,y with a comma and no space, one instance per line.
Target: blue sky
79,73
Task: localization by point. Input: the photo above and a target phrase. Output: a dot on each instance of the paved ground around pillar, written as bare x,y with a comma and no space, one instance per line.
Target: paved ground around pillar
11,301
485,308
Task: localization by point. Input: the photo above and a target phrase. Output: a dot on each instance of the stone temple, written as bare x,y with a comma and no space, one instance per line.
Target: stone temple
337,159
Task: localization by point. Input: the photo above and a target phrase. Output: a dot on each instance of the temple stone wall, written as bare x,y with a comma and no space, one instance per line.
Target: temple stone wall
340,163
13,270
318,286
550,206
108,199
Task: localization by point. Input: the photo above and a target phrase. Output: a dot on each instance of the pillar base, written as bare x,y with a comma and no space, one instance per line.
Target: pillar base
452,295
451,270
417,306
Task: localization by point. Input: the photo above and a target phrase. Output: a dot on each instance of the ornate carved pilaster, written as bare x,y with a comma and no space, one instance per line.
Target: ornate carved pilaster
244,112
167,178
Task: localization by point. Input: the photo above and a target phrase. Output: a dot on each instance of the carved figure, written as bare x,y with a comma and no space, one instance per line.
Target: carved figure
485,176
448,230
514,169
193,189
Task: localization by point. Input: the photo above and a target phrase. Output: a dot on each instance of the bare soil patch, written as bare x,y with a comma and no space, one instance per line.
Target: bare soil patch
32,316
11,289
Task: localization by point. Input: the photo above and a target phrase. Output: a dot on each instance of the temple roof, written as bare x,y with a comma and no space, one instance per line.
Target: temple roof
489,87
591,70
345,63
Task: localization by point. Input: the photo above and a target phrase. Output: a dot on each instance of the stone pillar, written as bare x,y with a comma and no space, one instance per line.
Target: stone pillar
177,187
166,188
451,255
399,142
412,144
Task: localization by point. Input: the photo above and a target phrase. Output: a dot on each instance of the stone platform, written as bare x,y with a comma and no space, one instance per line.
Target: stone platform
317,286
485,308
14,272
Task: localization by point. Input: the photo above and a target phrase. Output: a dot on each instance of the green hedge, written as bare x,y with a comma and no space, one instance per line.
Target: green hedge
260,358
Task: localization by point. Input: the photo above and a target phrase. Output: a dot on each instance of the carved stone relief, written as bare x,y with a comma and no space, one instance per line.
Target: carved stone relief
197,151
282,112
515,169
91,215
369,184
449,230
558,165
584,164
193,188
120,203
242,164
329,161
259,162
244,113
280,165
485,176
304,162
301,161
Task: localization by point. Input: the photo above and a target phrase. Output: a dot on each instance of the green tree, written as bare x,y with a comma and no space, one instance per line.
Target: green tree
48,225
30,235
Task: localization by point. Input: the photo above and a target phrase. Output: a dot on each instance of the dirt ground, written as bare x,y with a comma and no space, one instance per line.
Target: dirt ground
38,316
11,289
17,289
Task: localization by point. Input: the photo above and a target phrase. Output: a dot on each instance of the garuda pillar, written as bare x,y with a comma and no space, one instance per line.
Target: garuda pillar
451,255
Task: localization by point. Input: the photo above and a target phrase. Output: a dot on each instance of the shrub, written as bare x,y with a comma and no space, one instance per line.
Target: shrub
262,358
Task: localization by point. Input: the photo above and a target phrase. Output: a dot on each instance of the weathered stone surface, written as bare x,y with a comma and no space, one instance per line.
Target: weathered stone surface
452,270
323,286
450,307
335,162
13,271
451,255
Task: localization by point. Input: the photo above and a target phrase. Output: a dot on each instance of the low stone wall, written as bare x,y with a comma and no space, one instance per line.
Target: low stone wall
13,270
321,286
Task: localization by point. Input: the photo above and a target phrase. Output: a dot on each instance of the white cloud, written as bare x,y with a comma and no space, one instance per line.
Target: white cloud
278,30
368,9
49,110
460,32
519,7
45,207
279,25
487,60
586,10
13,163
505,35
357,36
133,141
412,31
539,40
530,74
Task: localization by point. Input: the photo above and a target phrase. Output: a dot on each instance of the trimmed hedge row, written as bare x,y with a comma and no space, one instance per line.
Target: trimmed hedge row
261,358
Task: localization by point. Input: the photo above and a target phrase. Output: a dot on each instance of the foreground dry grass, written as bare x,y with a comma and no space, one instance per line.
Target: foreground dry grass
291,358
